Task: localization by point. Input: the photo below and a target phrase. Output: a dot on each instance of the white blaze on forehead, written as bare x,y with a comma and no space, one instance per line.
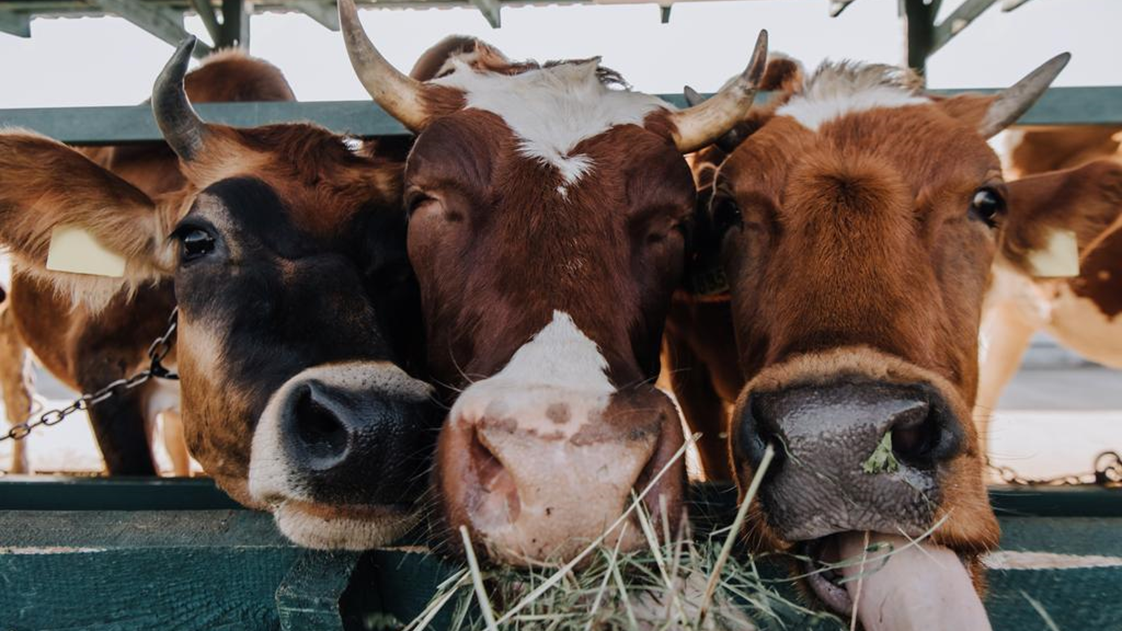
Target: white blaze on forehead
836,90
553,109
559,360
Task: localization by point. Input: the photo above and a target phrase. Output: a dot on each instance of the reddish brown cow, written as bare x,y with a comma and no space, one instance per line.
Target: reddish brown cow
1083,312
856,224
548,212
297,306
88,347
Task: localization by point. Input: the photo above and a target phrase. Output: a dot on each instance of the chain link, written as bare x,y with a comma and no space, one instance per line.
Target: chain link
1107,472
157,352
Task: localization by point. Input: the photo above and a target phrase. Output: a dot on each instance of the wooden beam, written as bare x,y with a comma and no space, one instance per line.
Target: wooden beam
120,125
966,13
163,23
326,13
13,23
491,10
837,6
919,23
235,25
209,18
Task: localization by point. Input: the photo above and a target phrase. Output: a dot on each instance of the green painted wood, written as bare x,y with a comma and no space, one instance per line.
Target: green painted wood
311,596
141,570
44,493
121,125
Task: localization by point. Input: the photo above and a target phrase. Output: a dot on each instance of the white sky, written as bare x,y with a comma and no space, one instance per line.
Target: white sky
108,61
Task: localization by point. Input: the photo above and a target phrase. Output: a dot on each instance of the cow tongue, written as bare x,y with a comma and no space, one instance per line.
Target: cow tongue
912,589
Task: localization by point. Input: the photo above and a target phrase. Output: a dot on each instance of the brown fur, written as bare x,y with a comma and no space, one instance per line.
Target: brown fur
857,256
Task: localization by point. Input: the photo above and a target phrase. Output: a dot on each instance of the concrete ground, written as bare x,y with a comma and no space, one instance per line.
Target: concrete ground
1050,421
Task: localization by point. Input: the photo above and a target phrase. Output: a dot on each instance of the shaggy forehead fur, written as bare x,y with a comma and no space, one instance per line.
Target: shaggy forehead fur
551,108
839,88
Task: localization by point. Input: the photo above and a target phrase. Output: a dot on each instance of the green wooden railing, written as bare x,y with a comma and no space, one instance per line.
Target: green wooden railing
174,553
117,125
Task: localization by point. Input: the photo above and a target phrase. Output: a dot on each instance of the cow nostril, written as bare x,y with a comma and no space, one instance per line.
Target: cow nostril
915,437
757,430
319,429
495,483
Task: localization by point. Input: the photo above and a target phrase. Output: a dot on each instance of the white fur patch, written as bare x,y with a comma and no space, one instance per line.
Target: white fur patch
836,90
559,365
552,109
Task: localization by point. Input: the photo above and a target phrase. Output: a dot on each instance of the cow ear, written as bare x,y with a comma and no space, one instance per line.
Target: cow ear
1056,217
108,234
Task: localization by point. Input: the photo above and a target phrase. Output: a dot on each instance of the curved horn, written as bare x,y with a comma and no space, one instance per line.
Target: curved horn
730,140
702,124
1012,102
398,94
180,126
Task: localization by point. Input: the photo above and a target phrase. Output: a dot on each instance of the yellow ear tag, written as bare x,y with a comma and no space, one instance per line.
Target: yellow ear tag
1058,258
75,250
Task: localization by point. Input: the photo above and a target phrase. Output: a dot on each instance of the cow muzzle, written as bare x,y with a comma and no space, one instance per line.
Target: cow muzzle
340,452
538,474
850,456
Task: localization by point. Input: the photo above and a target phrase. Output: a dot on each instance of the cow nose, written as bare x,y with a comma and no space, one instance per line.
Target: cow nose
539,482
352,444
326,425
849,455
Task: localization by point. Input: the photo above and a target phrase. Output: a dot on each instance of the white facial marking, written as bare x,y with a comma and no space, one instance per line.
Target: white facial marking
839,89
560,364
552,109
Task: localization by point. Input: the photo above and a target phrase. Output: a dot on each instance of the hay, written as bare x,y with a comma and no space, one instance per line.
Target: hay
675,583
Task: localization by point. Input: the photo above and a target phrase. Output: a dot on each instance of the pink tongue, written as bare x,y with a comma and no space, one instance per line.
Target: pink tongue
912,588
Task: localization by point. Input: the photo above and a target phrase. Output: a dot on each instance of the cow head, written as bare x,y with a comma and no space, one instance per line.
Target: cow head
549,208
297,306
857,225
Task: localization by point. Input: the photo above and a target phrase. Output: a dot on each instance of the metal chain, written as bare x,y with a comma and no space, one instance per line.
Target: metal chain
157,352
1107,473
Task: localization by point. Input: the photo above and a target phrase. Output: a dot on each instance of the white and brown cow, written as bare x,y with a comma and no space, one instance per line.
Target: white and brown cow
856,223
298,310
549,207
1084,312
86,347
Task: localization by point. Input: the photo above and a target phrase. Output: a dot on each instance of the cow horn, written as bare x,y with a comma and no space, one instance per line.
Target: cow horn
702,124
180,126
1012,102
399,94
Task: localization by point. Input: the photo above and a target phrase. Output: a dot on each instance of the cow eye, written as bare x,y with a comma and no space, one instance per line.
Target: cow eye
195,243
726,214
986,205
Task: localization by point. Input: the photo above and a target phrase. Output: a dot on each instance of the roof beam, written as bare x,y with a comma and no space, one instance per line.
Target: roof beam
209,18
164,24
490,10
966,13
837,6
326,13
13,23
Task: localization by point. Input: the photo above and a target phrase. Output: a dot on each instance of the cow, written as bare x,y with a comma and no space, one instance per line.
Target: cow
87,348
549,207
299,349
855,224
1081,312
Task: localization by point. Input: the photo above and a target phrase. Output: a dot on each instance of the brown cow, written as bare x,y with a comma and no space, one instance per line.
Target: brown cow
857,223
548,211
87,348
1082,312
297,306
